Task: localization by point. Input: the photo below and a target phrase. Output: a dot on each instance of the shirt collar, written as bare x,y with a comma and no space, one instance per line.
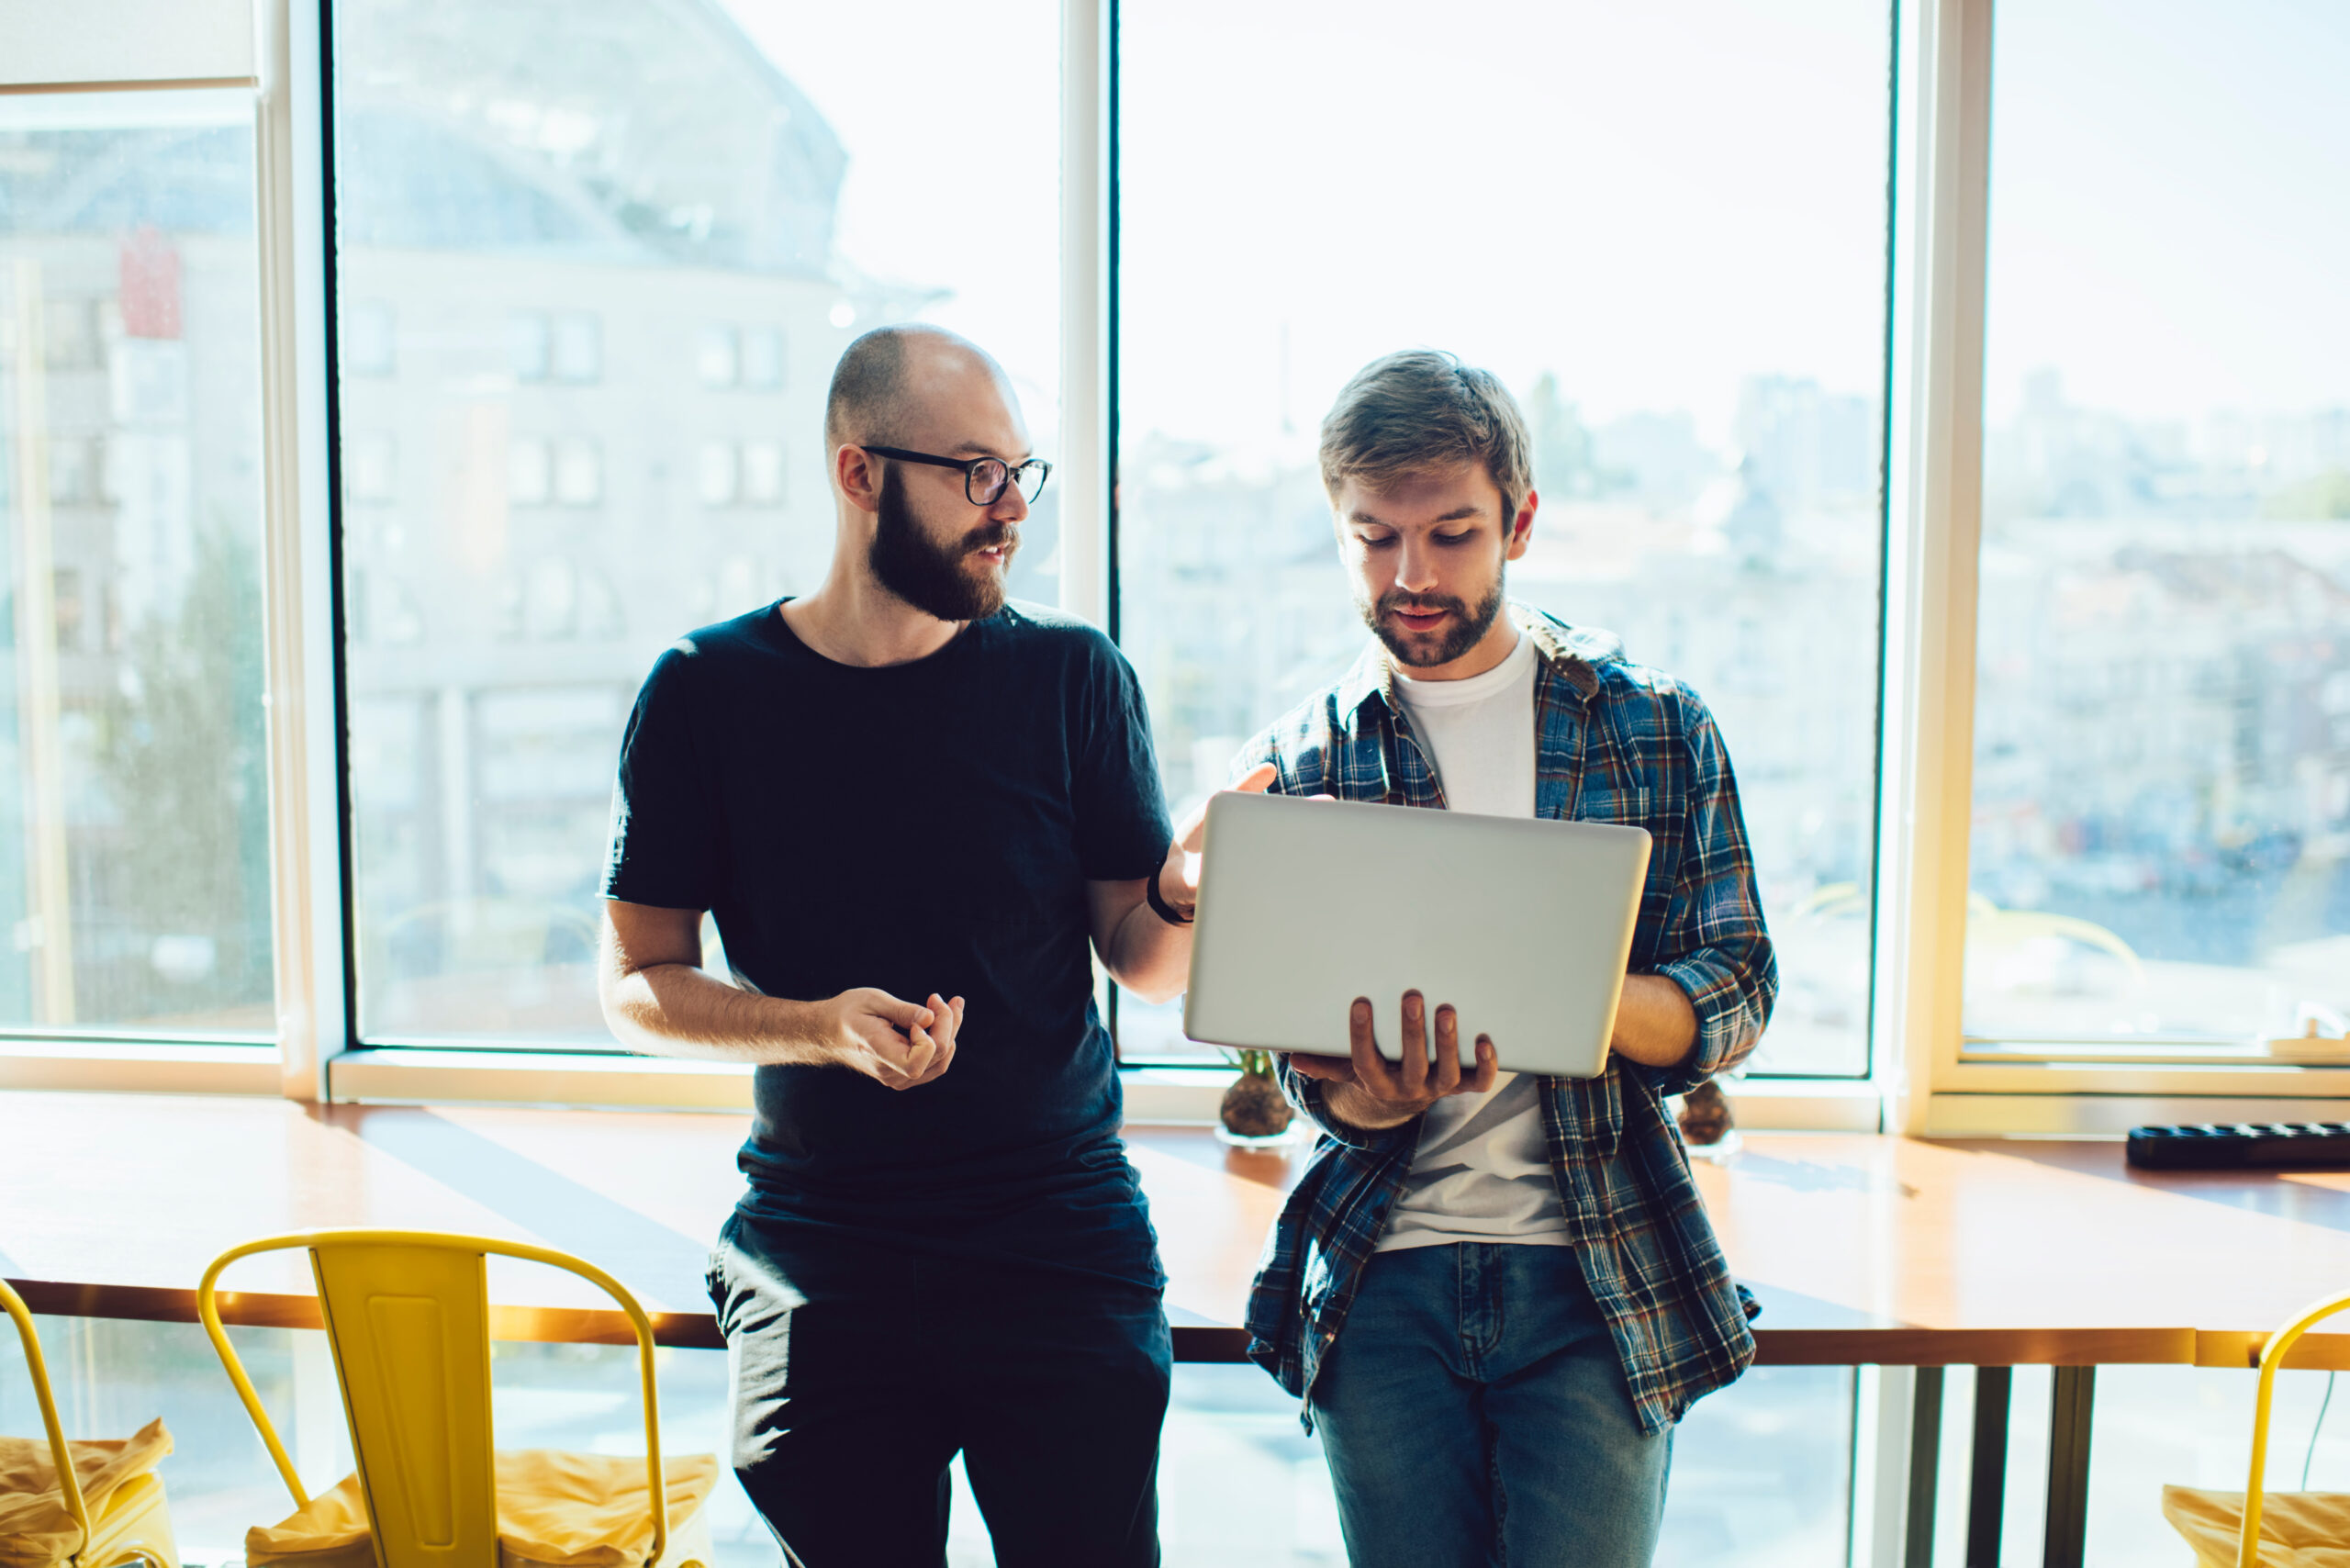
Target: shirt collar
1566,653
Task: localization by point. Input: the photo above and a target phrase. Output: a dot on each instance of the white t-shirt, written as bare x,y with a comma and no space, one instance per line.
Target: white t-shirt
1483,1169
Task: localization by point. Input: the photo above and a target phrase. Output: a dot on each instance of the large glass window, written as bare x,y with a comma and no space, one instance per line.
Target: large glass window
1664,226
2161,850
1764,1467
596,262
134,843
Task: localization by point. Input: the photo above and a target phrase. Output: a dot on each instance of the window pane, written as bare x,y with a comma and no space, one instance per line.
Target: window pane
134,831
1763,1470
2161,847
1762,1474
1663,226
597,263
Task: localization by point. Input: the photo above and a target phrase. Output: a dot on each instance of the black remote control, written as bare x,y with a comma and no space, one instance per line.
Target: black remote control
2243,1146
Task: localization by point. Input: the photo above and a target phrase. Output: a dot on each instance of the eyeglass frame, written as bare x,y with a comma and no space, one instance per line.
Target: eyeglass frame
969,465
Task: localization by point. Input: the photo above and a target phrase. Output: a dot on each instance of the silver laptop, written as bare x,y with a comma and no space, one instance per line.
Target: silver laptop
1524,927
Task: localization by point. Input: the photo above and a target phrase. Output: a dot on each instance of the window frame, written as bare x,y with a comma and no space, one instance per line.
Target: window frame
1922,1077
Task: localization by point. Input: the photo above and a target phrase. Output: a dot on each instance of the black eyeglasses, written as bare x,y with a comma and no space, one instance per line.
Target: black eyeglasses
983,477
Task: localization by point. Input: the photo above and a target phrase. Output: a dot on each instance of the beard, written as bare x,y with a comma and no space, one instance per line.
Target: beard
929,577
1461,634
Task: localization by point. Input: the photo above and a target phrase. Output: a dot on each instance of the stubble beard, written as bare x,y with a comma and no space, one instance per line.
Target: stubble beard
932,578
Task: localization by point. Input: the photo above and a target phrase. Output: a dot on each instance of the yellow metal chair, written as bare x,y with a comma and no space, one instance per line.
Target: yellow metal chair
408,1316
2304,1530
102,1498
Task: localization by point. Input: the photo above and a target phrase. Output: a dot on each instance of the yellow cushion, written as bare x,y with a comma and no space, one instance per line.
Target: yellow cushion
2298,1530
565,1510
35,1528
135,1527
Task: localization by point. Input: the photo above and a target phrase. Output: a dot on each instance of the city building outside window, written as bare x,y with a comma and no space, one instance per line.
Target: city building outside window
762,473
529,472
529,344
578,349
578,472
577,322
2161,850
716,357
1665,230
763,358
134,873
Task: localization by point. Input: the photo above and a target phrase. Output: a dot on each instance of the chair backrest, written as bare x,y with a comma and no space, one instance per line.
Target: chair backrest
408,1316
62,1457
2272,1358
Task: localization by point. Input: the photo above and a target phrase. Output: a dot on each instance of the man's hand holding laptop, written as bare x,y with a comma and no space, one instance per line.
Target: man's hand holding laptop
1654,1025
1371,1092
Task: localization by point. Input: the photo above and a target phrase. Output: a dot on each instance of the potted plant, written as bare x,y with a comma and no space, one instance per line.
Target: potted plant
1255,1113
1707,1128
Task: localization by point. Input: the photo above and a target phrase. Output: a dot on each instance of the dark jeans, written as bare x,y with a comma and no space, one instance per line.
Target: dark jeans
1474,1413
847,1412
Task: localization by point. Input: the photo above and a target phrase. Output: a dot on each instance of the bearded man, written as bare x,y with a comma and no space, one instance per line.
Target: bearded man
1497,1293
911,805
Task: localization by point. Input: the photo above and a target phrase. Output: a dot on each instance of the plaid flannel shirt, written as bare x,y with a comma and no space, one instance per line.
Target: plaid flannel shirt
1614,741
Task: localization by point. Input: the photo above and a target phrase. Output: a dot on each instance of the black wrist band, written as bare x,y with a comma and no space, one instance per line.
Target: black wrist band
1160,907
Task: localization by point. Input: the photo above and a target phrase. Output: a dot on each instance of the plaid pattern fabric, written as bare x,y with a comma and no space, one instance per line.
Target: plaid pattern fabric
1617,743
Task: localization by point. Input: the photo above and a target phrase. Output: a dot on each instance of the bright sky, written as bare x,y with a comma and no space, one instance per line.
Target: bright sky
2170,214
950,112
1652,201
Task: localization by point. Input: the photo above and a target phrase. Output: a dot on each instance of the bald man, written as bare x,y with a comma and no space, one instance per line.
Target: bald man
912,805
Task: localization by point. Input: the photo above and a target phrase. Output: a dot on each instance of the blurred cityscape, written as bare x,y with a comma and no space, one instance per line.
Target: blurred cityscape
2162,788
590,296
1751,574
2163,711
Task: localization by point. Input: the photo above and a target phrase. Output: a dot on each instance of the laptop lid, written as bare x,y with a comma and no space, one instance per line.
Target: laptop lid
1523,926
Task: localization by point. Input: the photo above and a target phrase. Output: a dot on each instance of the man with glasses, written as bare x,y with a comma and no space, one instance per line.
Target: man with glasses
910,805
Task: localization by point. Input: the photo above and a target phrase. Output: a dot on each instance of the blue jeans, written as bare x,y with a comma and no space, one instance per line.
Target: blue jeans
1474,1412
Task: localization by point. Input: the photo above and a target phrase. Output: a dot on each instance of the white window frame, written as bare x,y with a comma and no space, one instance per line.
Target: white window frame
1920,1081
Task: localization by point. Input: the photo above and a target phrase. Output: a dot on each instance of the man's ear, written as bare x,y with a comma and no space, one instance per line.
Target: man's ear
1521,527
858,474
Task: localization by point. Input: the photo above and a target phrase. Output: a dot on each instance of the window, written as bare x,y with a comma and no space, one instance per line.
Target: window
530,473
568,336
578,348
65,595
2162,731
763,358
1665,228
578,472
715,357
528,344
720,475
134,891
568,278
762,473
73,469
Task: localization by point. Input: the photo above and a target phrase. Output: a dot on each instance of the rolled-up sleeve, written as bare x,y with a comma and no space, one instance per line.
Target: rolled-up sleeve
1714,945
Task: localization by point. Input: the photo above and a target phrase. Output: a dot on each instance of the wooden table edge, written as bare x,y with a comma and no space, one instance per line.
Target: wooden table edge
570,1325
1899,1345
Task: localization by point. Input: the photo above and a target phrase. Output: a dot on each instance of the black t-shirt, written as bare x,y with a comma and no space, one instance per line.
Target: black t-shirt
921,827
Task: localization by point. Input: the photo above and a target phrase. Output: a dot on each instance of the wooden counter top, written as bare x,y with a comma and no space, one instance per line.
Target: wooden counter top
1862,1249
